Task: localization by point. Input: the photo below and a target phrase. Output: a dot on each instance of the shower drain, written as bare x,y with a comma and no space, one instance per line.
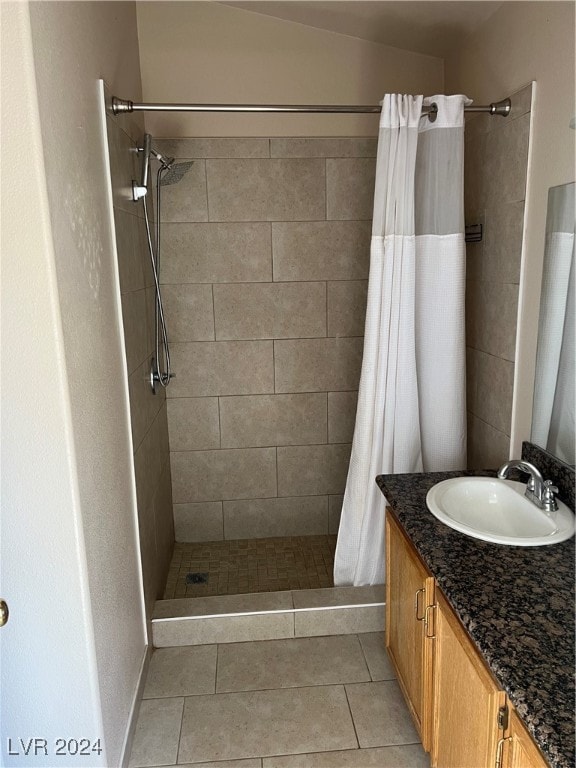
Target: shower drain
196,578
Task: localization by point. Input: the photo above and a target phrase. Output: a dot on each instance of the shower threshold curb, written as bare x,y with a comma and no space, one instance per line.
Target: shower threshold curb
268,616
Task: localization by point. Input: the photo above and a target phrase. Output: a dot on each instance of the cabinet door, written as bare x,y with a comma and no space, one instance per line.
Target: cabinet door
409,589
465,730
520,750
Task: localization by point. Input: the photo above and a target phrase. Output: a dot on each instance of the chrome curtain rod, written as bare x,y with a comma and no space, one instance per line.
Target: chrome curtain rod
121,106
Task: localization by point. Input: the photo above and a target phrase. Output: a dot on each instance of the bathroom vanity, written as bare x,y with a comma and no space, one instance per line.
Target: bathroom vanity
481,636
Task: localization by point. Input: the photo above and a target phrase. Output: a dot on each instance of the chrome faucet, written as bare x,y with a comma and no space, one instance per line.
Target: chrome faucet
539,491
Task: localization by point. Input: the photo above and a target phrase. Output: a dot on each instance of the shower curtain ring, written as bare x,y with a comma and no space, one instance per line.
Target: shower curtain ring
433,112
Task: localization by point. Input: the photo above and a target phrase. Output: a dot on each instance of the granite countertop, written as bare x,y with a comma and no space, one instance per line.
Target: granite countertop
516,603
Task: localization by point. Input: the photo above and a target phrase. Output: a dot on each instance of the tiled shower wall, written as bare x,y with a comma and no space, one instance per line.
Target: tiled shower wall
147,411
264,272
496,159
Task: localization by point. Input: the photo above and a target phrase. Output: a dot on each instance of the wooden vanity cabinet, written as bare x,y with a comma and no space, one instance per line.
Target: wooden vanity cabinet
467,724
409,595
520,751
463,717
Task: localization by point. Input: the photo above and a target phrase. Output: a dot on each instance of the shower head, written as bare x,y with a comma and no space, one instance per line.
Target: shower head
174,173
165,162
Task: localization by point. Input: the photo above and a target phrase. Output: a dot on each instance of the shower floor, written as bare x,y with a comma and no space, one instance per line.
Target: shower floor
252,565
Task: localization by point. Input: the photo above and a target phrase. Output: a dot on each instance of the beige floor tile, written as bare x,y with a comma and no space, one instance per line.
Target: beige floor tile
374,648
407,756
290,663
381,717
185,671
263,723
157,733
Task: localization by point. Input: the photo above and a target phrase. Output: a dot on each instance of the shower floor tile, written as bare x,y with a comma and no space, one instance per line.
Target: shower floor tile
252,565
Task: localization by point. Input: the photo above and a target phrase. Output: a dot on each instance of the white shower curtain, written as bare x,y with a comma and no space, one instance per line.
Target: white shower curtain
411,414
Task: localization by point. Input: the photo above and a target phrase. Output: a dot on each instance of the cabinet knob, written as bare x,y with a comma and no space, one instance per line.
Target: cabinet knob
4,613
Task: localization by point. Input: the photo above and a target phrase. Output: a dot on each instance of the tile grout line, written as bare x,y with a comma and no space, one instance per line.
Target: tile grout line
366,660
351,716
181,728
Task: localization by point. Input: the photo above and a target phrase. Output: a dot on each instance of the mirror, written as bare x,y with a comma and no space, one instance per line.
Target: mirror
554,390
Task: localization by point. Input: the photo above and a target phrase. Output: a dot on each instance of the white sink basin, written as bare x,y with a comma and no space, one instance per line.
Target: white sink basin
497,511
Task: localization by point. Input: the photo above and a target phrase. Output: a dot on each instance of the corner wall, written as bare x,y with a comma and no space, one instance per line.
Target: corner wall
521,42
74,44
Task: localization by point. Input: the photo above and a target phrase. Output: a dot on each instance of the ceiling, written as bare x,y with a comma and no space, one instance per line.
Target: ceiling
424,26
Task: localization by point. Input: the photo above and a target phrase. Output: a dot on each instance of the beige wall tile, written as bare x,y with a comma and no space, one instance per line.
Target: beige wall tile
503,242
181,672
336,147
401,756
262,518
334,511
341,416
123,166
157,732
270,310
350,188
206,147
198,522
189,312
521,104
491,317
193,423
144,250
266,190
318,365
222,368
247,473
293,663
235,629
144,405
380,714
506,161
339,596
186,200
475,178
263,420
135,328
347,307
216,253
312,469
495,385
488,448
214,727
164,525
321,250
339,621
128,248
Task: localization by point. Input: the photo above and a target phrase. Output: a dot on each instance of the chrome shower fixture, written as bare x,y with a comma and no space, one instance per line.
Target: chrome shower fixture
140,189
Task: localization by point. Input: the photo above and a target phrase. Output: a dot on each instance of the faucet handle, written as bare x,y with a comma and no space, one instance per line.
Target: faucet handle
548,498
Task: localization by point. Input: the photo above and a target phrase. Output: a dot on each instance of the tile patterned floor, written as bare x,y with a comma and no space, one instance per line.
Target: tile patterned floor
252,565
314,702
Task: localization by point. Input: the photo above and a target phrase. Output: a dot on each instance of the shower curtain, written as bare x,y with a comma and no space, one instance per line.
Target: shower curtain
411,414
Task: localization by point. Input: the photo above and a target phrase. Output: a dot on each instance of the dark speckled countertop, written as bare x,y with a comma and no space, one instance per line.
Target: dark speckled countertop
517,604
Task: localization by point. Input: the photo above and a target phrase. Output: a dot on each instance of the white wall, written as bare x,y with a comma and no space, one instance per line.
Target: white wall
70,563
205,52
526,41
48,675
